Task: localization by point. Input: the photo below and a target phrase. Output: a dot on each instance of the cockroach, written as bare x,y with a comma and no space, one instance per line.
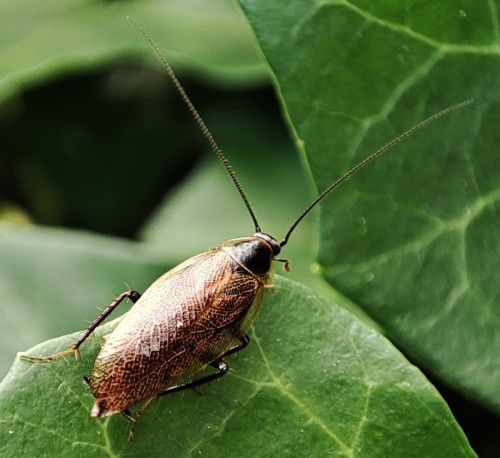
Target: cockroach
195,315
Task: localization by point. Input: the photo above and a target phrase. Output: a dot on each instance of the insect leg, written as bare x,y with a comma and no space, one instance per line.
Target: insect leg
135,418
74,348
128,416
134,296
244,341
218,364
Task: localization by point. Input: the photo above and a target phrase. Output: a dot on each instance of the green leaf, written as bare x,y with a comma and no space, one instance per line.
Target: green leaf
413,238
314,378
42,40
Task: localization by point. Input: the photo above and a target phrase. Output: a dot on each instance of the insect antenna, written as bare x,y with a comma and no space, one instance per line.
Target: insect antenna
204,129
372,156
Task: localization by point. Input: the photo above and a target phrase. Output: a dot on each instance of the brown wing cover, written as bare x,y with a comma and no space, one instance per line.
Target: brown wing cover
184,321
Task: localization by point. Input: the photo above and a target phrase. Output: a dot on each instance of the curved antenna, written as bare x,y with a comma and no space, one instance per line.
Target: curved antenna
372,156
204,129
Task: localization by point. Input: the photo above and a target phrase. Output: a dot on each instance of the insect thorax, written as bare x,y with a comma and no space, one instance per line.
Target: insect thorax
254,254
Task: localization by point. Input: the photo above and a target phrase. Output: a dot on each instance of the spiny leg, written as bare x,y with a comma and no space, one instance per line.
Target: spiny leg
135,418
74,348
218,364
244,341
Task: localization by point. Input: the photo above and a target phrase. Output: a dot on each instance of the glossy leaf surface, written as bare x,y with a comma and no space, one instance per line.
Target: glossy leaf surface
413,238
315,377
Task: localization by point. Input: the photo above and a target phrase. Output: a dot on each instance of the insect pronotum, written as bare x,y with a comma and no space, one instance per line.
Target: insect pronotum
196,314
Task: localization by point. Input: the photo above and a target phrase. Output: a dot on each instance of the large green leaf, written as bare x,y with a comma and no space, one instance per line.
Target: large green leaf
413,238
315,378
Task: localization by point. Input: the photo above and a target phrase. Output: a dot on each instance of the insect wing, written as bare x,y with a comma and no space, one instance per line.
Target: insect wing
184,321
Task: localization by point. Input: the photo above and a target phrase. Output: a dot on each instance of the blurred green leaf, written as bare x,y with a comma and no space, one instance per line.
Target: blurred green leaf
315,378
413,238
43,40
85,108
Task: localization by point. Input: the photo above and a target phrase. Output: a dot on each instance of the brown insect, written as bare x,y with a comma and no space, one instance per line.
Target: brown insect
194,315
